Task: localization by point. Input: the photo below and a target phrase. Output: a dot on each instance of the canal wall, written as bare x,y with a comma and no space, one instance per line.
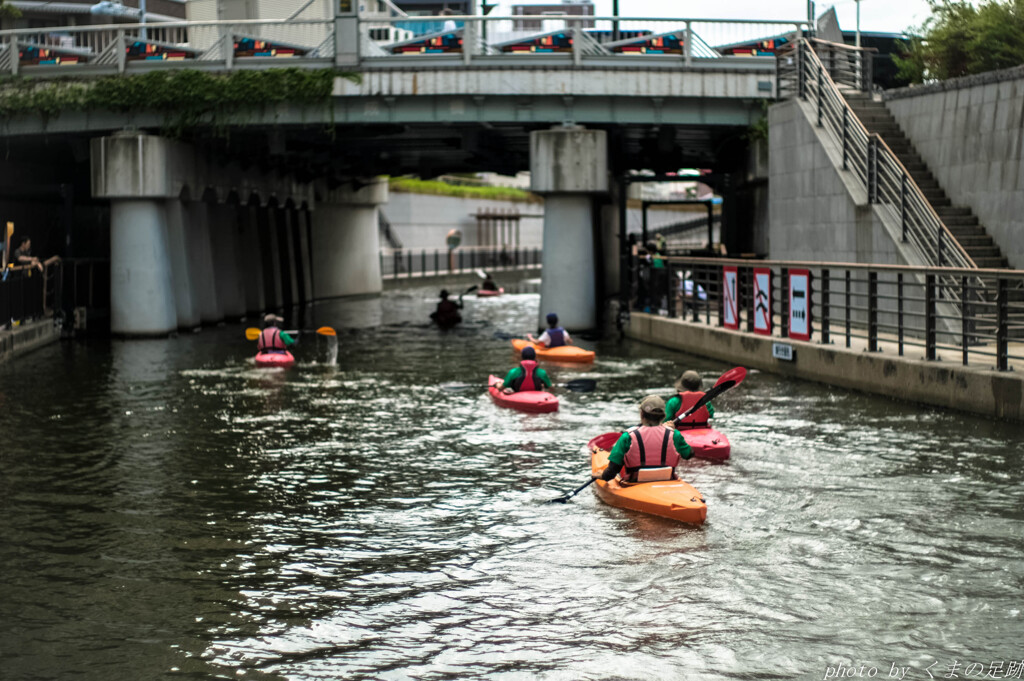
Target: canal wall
26,337
970,132
990,393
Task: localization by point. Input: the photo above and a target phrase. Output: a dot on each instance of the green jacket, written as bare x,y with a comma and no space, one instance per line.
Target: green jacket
672,406
515,372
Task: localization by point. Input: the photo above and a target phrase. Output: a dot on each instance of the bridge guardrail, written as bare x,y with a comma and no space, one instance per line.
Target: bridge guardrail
26,293
401,263
888,307
387,40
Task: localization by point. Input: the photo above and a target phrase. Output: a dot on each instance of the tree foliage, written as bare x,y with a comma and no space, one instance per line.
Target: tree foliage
959,39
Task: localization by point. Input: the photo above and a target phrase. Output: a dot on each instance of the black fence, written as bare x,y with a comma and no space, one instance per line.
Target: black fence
26,293
976,313
405,262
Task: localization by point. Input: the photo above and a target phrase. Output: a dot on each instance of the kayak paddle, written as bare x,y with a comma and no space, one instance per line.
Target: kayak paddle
252,333
564,499
730,379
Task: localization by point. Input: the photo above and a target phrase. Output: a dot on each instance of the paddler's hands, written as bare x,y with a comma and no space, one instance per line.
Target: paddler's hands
507,391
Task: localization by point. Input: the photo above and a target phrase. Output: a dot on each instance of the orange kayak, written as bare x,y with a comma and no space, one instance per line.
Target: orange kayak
673,499
481,293
564,353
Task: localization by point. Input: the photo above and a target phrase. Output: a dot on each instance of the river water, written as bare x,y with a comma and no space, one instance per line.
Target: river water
171,511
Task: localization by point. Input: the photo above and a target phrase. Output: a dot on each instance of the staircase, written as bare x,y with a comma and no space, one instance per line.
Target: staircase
960,220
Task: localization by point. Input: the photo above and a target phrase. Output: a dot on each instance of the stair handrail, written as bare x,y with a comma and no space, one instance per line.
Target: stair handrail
872,163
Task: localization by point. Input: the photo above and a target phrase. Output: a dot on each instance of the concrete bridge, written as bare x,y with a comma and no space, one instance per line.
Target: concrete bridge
191,218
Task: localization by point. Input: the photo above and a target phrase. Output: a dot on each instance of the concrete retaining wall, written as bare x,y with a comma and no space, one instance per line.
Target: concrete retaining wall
26,338
816,211
989,393
970,132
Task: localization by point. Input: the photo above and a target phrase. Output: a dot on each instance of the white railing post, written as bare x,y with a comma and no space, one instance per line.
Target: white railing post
577,43
15,57
468,38
227,45
121,56
688,45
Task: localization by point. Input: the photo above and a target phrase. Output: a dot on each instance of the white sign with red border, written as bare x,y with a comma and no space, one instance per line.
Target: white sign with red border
800,305
763,301
730,309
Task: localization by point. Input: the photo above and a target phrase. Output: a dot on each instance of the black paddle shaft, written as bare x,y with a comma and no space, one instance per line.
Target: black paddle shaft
566,497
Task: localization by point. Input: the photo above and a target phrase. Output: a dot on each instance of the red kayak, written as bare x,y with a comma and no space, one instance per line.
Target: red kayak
480,293
275,359
706,443
532,401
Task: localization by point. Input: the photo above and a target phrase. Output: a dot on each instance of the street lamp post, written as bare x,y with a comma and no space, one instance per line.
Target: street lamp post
858,22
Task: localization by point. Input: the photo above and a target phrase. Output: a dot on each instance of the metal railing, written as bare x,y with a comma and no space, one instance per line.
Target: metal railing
399,263
26,293
803,74
886,308
387,40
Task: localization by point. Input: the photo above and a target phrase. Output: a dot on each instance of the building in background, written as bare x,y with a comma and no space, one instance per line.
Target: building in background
580,8
44,14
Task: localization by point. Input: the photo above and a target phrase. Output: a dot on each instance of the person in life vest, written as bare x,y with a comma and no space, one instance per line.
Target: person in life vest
651,446
447,312
526,376
272,339
554,336
689,392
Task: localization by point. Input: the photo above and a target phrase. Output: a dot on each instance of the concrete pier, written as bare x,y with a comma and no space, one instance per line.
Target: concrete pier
568,166
346,241
141,292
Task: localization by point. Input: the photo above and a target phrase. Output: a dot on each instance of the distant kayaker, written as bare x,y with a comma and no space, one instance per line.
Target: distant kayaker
447,313
489,283
554,336
688,386
272,338
647,446
526,376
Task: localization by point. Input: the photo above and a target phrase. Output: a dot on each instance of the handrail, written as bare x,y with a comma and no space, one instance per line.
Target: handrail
809,264
873,164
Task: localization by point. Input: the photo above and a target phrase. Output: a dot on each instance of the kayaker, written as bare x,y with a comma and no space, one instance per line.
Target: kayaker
489,283
447,313
272,338
647,446
554,336
526,376
688,386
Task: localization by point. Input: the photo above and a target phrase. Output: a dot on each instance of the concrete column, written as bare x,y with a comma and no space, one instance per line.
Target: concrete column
299,257
201,255
225,247
273,299
346,242
252,259
568,165
304,227
283,254
185,298
141,292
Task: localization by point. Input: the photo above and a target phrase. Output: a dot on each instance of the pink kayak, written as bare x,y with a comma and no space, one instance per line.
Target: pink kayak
706,443
275,359
480,293
532,401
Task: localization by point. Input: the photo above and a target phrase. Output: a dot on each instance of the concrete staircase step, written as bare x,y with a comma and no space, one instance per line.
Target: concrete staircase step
960,221
953,210
938,203
934,196
977,252
988,262
973,241
960,232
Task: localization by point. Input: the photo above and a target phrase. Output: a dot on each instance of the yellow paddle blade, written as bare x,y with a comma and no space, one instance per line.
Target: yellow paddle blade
326,331
252,333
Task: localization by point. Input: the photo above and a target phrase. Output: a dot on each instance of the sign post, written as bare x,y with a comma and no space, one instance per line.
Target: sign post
730,309
763,301
800,305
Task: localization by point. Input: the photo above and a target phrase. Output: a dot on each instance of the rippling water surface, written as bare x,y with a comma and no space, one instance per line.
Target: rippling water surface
169,510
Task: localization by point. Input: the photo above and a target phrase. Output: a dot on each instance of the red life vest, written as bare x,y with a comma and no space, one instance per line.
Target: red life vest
649,447
699,418
528,379
270,340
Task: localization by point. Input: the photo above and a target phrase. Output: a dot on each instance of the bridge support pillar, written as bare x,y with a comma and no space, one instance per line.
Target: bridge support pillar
186,296
201,256
141,291
568,165
346,241
252,259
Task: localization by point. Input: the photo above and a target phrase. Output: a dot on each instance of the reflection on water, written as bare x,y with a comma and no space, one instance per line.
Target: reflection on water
170,509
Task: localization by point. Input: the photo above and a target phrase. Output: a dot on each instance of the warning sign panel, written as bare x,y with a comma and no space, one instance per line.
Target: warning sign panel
730,308
800,305
763,301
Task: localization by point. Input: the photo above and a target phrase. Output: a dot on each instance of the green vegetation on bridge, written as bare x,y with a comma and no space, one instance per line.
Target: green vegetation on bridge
187,98
413,185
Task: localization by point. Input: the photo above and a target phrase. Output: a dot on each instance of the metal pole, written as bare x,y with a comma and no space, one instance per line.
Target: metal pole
929,317
872,311
964,313
899,310
825,295
857,43
1002,319
615,24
